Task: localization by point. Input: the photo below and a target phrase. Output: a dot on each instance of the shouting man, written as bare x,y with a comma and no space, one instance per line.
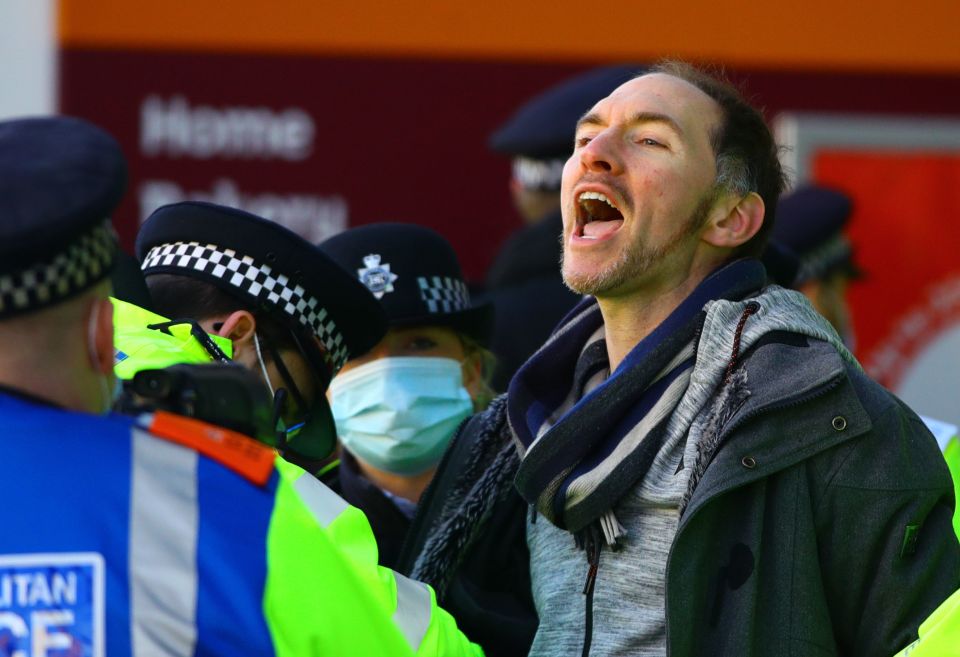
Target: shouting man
702,466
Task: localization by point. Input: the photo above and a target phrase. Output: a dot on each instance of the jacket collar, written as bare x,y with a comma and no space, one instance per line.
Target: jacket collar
799,402
361,492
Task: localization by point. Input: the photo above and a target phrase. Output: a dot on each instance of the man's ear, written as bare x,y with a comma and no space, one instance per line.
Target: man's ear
738,221
239,327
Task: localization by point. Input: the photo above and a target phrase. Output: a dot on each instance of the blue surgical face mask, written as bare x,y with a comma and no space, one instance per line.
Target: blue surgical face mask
398,414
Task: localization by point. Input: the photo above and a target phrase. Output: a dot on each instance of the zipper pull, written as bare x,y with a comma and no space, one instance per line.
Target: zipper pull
751,308
592,548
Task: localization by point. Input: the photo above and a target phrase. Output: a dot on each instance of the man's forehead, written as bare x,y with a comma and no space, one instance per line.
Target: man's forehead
657,93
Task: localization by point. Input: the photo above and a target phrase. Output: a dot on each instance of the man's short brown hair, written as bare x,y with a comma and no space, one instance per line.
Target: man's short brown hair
747,156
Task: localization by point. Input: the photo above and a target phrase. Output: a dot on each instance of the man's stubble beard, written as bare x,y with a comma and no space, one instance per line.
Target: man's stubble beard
635,262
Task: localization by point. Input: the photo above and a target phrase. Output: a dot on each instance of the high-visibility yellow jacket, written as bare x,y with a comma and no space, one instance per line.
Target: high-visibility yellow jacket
326,561
939,634
952,454
428,629
949,440
137,347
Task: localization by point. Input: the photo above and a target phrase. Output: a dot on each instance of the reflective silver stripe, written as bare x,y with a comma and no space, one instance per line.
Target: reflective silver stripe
413,610
323,503
164,520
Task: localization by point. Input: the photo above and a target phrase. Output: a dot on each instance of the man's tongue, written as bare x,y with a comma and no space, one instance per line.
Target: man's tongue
599,229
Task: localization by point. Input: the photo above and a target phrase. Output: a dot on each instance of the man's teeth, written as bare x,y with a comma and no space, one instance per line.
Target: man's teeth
597,196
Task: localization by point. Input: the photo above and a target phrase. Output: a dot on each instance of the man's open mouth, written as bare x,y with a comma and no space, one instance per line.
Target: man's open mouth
597,216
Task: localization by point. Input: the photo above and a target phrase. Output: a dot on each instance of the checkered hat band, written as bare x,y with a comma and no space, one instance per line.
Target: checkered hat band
443,294
257,280
538,174
86,261
823,259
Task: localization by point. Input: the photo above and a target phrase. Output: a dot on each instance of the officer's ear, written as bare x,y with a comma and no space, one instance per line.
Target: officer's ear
239,327
101,337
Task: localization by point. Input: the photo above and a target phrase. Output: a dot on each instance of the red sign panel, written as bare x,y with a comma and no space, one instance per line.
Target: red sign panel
906,235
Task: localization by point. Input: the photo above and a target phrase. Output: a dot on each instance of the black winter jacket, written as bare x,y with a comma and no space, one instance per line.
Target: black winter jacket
821,524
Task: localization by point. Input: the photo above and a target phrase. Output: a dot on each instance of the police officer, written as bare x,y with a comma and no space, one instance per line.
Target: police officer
160,534
810,224
265,297
398,404
524,280
237,286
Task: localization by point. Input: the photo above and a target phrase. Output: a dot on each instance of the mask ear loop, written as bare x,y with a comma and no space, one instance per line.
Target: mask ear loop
263,366
288,380
280,394
321,382
281,431
279,397
291,389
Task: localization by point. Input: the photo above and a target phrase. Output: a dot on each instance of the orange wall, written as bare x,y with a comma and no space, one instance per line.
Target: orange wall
920,35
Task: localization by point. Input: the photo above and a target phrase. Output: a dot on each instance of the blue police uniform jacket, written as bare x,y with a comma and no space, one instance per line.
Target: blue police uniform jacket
100,555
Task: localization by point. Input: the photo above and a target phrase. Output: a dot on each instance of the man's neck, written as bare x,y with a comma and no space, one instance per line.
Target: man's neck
630,318
57,390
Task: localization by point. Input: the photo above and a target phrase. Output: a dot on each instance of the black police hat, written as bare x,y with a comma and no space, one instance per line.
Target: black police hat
415,274
264,264
543,128
267,266
810,223
781,263
60,178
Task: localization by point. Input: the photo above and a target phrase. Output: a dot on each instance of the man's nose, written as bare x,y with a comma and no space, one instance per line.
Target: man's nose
600,154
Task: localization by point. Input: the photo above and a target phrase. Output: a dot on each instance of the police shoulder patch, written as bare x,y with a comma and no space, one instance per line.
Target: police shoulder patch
245,456
52,604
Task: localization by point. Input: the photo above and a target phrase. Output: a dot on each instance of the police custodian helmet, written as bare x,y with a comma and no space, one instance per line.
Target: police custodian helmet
269,268
60,179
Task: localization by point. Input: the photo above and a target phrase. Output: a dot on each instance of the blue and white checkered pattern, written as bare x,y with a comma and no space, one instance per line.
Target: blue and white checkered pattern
820,260
257,280
83,263
443,294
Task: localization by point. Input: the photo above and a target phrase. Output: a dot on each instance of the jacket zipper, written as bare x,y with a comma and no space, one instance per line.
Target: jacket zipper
788,403
592,549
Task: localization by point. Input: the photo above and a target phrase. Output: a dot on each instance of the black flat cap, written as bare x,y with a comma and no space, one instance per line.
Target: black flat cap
269,267
543,128
60,179
415,274
810,223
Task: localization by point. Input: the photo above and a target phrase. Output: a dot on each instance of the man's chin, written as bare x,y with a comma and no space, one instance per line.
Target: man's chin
593,283
607,279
